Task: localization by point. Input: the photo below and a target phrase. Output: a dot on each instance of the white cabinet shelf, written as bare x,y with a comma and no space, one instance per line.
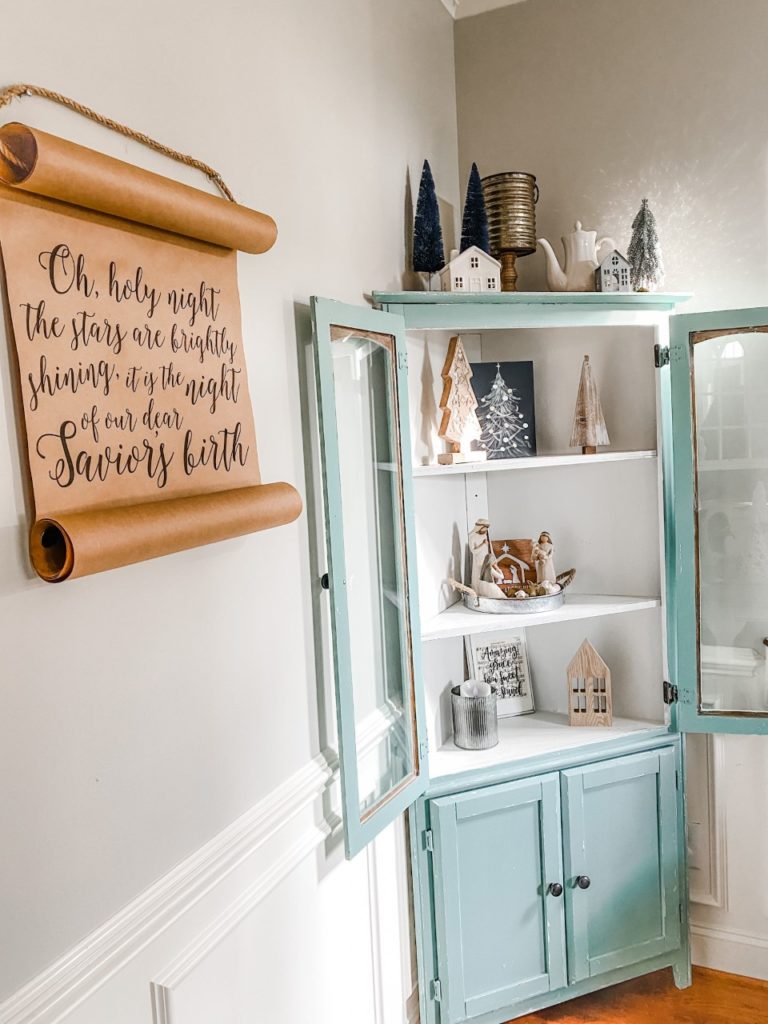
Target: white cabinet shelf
460,621
535,735
535,462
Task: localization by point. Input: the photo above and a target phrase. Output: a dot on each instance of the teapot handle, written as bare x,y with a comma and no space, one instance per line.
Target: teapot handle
604,241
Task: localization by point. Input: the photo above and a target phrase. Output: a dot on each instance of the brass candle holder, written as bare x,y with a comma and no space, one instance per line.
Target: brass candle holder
510,202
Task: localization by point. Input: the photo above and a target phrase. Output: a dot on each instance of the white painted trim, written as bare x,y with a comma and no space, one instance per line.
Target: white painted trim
47,998
451,6
375,919
162,987
725,949
716,893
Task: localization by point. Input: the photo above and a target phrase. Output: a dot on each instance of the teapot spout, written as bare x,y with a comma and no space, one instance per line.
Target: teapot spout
556,279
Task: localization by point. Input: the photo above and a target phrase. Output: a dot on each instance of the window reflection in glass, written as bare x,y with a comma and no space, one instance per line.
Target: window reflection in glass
364,371
730,395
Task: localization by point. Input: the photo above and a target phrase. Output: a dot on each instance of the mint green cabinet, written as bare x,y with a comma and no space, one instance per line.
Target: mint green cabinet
622,896
554,885
500,926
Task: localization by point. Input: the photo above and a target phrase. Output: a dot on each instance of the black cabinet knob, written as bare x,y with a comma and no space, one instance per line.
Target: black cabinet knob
325,582
555,889
583,881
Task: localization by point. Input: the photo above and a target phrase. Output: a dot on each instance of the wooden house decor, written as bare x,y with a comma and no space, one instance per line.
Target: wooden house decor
589,688
589,428
471,271
613,274
459,425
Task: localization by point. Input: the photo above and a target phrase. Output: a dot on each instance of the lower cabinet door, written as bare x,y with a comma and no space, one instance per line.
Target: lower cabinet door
499,907
620,843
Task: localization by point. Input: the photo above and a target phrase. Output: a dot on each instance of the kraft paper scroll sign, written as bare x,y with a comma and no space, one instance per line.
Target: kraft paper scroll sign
132,377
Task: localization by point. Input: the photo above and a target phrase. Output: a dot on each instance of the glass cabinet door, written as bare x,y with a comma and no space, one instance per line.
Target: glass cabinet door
362,382
719,384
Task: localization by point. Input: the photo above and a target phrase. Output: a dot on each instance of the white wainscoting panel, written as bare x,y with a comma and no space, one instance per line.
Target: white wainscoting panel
56,992
271,943
707,834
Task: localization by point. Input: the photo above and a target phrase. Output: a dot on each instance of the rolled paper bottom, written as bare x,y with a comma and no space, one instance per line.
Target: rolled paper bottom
82,543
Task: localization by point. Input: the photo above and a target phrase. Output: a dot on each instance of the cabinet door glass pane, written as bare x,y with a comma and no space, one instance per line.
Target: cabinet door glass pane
370,470
730,408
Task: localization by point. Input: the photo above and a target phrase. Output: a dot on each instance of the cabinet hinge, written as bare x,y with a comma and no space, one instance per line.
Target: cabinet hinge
660,356
437,990
429,841
670,692
402,360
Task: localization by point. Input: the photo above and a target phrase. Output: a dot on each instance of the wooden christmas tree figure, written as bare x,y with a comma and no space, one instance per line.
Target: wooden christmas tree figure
588,429
589,688
460,425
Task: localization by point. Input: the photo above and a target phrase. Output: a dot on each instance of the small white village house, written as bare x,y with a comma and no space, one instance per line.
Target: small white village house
471,271
613,273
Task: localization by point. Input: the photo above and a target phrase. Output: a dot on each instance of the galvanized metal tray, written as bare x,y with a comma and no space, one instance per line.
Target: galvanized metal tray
513,605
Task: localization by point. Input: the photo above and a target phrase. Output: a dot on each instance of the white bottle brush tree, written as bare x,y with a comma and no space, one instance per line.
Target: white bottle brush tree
644,253
503,424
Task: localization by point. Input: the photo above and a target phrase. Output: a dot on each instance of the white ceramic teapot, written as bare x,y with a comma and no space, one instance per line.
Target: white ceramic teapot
580,261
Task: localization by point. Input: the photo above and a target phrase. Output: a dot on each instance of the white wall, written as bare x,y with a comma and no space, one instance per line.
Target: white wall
145,710
607,103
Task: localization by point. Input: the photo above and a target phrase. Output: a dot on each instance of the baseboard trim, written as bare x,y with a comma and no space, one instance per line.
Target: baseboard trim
55,992
726,949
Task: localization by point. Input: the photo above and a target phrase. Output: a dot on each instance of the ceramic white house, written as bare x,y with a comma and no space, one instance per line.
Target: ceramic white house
471,271
613,273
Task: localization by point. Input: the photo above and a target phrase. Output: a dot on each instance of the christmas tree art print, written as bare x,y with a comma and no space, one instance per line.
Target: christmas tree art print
505,409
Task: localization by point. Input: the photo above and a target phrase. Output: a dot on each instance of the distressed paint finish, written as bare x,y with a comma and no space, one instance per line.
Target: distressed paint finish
660,760
683,576
359,829
500,932
620,830
507,310
448,944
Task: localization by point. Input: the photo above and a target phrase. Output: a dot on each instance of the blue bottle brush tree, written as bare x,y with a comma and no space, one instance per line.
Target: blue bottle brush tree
428,251
474,224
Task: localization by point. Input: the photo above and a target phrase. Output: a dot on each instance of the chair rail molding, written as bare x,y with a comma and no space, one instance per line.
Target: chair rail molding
70,980
162,987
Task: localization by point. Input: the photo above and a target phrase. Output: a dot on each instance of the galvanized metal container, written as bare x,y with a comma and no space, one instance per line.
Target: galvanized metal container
510,202
475,723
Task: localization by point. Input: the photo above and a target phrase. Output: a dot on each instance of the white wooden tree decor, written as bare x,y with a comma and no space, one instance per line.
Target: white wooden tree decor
589,428
460,425
589,688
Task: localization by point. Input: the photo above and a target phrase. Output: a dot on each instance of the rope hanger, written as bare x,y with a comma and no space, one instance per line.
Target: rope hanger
13,92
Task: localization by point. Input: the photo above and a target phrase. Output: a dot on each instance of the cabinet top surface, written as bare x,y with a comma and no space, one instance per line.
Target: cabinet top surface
601,300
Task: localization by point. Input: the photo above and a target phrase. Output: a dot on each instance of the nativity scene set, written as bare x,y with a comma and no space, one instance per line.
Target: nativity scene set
504,475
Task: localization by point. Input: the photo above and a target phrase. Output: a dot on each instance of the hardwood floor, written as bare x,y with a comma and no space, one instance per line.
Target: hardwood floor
714,998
